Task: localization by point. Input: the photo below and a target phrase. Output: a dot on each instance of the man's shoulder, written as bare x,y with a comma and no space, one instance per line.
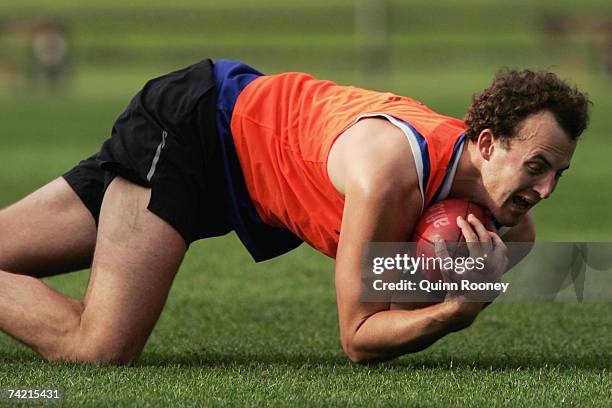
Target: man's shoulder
376,155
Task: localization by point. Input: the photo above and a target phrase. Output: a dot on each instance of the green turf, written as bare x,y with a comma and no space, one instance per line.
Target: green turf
235,333
239,333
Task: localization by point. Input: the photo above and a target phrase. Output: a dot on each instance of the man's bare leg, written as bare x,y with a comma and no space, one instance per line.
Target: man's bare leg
136,258
48,232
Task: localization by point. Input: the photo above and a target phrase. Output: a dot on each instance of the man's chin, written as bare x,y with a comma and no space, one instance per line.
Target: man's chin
508,218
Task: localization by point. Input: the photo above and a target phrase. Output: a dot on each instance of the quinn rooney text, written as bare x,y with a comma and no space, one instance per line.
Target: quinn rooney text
428,286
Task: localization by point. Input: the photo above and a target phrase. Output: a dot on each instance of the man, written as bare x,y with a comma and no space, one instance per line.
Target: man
280,159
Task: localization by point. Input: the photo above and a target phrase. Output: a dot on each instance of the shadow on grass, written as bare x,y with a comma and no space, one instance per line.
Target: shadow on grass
14,357
414,362
505,363
238,358
602,361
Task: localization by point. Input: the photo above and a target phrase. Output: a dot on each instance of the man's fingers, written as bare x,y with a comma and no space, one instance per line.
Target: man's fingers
466,229
442,252
471,238
440,248
483,233
500,252
500,245
446,275
496,239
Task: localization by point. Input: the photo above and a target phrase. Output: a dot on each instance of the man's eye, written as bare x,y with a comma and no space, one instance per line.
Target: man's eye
535,168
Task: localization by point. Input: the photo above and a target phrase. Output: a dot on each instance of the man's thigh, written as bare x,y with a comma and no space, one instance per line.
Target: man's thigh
136,258
48,232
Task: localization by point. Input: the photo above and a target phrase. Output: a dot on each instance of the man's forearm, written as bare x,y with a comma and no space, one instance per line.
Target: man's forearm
391,333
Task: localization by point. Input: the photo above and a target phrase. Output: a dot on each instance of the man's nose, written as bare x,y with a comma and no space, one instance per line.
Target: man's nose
546,185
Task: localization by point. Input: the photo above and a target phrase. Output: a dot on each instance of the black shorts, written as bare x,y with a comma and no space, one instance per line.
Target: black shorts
166,140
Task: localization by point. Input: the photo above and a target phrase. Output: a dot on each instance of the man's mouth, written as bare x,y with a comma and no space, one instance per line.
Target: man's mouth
522,202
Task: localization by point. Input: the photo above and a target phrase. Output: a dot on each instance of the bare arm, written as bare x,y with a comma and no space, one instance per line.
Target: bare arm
382,204
371,331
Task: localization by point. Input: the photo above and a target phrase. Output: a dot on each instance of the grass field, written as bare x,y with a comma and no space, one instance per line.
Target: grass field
239,333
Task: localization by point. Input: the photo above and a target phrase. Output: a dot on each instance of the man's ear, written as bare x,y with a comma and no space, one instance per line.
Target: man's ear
485,143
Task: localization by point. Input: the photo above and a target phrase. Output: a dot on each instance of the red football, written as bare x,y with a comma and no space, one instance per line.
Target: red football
440,220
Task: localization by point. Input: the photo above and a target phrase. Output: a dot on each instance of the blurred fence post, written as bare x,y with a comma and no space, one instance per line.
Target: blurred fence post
371,39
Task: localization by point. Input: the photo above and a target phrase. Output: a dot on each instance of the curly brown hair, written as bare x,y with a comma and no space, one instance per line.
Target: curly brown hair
516,94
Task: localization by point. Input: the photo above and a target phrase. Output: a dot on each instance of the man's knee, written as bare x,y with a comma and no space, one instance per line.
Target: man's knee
102,353
90,343
83,347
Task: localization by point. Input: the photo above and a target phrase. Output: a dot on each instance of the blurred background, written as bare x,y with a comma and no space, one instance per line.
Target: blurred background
68,68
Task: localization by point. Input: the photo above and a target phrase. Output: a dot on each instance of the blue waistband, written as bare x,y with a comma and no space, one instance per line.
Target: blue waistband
260,239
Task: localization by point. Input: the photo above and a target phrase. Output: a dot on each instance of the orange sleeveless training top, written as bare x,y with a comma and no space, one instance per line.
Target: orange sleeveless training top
283,128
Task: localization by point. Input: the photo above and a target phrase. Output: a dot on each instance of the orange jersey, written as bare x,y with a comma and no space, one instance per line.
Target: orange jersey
283,128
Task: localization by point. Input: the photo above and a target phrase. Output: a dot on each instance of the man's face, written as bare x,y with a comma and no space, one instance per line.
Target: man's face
518,177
